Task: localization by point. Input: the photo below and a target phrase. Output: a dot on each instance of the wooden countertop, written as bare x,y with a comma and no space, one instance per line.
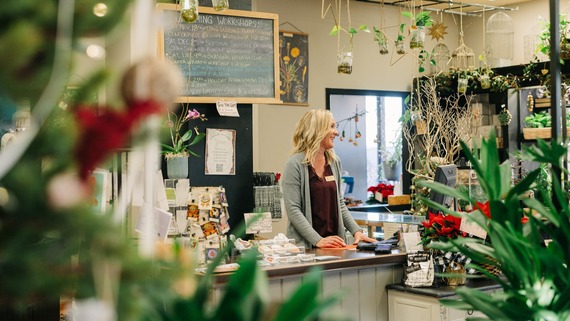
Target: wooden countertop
348,259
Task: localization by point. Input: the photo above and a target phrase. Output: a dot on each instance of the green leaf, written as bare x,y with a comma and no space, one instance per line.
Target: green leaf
352,31
363,28
407,14
197,139
187,135
335,30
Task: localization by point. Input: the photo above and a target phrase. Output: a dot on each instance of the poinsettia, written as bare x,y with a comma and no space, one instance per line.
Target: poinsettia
441,227
486,210
384,189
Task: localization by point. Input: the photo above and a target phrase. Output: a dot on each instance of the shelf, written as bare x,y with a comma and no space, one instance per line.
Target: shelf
542,133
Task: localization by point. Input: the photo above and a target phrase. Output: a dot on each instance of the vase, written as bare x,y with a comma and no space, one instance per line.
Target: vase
417,36
345,62
485,81
462,85
220,5
382,41
400,48
177,167
189,10
393,171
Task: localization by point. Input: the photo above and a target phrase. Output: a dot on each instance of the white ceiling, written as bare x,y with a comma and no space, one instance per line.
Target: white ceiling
466,6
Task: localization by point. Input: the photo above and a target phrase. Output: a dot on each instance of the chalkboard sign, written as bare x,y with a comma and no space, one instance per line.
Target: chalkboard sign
224,55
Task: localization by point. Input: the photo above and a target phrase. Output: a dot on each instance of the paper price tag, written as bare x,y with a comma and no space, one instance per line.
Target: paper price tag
227,108
470,227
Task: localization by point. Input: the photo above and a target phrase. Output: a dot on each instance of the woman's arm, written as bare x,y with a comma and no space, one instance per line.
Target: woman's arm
294,199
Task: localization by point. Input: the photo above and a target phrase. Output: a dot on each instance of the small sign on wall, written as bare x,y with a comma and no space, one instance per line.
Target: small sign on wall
220,151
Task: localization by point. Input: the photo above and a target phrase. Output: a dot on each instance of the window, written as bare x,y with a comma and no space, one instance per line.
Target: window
369,129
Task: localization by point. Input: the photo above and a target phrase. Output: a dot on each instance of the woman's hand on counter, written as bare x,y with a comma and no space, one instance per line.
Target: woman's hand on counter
360,237
331,242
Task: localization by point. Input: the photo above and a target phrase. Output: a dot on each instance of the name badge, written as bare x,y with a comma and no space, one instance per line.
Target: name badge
329,178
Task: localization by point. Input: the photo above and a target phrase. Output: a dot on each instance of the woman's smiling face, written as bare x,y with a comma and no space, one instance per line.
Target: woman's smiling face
328,141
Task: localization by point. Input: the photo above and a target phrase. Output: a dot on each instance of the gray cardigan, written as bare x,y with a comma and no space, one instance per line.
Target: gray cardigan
297,198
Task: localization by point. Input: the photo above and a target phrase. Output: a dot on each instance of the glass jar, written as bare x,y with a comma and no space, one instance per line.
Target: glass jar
417,36
189,10
220,5
345,63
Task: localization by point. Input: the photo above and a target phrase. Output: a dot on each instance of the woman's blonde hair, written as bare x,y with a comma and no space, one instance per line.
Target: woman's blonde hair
311,129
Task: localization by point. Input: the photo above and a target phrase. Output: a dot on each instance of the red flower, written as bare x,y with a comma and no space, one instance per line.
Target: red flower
484,208
103,132
385,189
442,227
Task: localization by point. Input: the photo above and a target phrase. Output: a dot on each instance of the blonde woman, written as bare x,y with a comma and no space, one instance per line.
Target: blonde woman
311,184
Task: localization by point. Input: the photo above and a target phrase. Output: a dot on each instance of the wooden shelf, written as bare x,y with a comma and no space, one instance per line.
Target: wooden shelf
542,133
542,103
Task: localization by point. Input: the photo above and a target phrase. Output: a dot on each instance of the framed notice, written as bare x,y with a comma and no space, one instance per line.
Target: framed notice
229,54
220,151
294,68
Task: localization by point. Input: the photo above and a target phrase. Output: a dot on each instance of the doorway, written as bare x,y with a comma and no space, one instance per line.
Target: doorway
369,133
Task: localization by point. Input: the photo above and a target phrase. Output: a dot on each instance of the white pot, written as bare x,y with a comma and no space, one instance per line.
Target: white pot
177,167
392,173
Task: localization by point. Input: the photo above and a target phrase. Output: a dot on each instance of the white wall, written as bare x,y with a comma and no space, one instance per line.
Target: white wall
274,124
526,22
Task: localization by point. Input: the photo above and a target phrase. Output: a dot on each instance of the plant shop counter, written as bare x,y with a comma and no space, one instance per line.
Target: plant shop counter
361,276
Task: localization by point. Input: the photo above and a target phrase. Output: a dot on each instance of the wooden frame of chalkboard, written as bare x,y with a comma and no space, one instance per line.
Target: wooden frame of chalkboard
224,55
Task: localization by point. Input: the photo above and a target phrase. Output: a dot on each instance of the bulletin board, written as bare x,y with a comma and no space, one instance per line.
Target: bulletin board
229,54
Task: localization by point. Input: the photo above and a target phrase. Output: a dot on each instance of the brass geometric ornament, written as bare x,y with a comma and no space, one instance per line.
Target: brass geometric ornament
437,31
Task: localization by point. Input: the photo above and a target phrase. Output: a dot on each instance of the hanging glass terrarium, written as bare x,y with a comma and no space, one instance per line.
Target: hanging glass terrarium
345,62
220,5
400,47
189,10
381,40
417,37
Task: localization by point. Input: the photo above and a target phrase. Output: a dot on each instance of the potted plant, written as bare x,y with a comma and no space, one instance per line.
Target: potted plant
177,153
382,40
534,279
418,28
544,37
392,159
345,56
399,42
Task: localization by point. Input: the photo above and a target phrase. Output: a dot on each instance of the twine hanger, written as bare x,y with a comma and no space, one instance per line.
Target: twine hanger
292,25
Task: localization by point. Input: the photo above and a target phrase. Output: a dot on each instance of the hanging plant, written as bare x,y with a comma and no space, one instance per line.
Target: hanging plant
344,65
504,116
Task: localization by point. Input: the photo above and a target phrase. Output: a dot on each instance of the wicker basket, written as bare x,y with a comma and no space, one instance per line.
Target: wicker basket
493,267
542,133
